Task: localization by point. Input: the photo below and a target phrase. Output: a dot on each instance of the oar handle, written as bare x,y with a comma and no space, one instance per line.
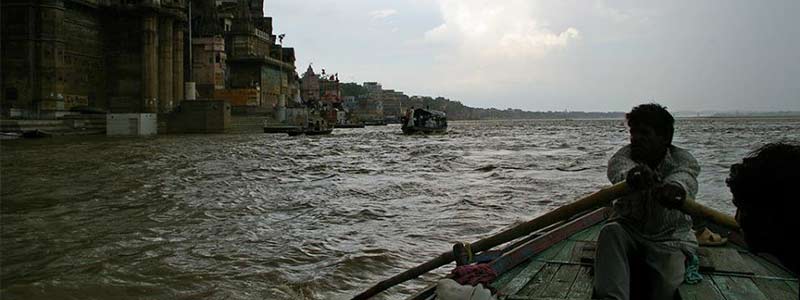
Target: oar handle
695,209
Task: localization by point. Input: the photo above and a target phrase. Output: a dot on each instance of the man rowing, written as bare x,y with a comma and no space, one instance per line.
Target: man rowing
646,240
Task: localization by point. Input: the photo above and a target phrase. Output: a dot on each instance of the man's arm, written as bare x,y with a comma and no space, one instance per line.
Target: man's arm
685,172
620,164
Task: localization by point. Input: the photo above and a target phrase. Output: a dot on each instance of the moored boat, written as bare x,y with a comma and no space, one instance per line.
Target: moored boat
424,121
314,126
311,131
555,261
35,134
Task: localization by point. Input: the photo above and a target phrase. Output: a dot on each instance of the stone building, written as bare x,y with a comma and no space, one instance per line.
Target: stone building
256,60
321,87
258,72
117,55
392,105
372,88
389,101
309,86
330,89
132,56
209,65
370,111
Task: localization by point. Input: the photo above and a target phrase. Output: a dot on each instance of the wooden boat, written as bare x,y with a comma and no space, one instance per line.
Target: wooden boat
35,134
317,126
10,135
424,121
312,131
280,128
556,262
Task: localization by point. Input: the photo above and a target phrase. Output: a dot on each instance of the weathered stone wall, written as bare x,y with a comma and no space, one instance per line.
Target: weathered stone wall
84,64
201,116
17,55
271,83
269,96
244,75
309,85
122,56
165,74
124,63
177,62
248,44
33,56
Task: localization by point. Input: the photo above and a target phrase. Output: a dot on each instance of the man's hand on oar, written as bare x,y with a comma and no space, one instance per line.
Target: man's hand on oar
641,177
670,195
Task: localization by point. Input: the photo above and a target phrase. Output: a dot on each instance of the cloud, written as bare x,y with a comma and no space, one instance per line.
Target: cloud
614,14
497,28
483,49
382,14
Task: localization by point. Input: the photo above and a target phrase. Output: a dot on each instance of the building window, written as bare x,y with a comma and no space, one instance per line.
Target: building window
218,58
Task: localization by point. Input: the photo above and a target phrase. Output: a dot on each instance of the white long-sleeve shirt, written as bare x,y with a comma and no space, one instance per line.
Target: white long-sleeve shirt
641,213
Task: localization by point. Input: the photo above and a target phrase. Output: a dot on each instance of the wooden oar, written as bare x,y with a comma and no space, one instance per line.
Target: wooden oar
599,198
694,209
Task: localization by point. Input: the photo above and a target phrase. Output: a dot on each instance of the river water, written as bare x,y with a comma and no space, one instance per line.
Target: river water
265,216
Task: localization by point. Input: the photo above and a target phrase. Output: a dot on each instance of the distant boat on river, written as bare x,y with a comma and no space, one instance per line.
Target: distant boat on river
349,125
424,121
313,126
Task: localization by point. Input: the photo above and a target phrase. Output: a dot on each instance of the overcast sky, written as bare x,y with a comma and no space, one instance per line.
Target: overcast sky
590,55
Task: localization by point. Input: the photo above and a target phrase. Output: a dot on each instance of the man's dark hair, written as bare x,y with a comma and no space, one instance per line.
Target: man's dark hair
764,187
767,178
655,116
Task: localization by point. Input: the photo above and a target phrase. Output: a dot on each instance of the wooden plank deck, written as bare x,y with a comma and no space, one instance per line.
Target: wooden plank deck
561,272
704,290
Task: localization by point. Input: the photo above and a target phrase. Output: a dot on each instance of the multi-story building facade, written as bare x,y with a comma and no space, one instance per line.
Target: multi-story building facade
122,56
392,105
132,56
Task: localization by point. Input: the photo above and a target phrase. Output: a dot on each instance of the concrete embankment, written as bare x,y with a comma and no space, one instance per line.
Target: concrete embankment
67,125
247,124
96,124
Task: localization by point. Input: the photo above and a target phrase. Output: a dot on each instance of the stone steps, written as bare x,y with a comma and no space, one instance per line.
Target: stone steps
247,124
68,125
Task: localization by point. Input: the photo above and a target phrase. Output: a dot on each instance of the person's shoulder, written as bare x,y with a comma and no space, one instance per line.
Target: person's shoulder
679,153
625,150
623,153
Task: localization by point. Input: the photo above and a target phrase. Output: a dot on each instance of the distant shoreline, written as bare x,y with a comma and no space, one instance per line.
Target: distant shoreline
623,117
744,117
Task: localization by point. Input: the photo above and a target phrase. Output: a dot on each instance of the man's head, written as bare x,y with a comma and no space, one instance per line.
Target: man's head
764,187
651,128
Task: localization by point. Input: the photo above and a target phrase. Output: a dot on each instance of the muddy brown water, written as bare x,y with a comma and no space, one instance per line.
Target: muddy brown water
265,216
